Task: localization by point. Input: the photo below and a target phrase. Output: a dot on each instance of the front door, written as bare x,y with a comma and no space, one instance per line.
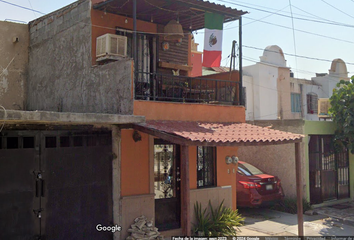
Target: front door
167,185
329,170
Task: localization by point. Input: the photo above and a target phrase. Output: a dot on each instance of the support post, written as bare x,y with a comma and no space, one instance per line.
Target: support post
116,164
185,192
300,218
240,61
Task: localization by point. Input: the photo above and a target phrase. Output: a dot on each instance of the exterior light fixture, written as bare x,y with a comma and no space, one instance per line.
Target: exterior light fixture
173,31
136,136
228,160
234,159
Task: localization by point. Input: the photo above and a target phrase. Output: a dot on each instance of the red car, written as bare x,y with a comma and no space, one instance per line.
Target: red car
255,187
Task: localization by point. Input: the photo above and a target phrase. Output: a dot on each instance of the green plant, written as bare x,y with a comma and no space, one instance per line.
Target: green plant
221,221
342,111
289,205
203,220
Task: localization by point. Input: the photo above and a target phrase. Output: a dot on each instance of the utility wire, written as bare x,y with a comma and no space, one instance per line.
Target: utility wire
293,55
32,9
303,19
22,7
292,23
273,9
337,9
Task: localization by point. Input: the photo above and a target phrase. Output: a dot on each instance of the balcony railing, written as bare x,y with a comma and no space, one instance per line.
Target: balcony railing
164,87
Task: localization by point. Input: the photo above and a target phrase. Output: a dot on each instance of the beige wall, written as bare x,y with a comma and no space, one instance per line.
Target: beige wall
284,103
136,206
13,64
215,195
278,160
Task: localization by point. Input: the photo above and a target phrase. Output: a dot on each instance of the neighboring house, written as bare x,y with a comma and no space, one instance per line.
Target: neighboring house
292,106
82,154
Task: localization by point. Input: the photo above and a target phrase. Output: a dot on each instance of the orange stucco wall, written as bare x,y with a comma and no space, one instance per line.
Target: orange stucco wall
196,61
226,173
135,178
134,164
189,112
103,23
192,167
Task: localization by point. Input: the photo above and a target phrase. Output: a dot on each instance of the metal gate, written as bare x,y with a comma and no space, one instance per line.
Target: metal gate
167,185
55,185
329,170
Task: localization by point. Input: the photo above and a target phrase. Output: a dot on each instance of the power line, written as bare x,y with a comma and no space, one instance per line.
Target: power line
337,9
311,15
277,25
294,55
282,15
22,7
264,17
32,9
292,22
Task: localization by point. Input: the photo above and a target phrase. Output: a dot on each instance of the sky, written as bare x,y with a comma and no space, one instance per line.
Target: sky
310,33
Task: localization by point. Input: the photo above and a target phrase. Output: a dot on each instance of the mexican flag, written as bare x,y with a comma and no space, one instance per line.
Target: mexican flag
212,39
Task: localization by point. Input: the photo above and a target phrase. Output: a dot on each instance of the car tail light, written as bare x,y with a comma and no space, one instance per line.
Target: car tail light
278,183
250,184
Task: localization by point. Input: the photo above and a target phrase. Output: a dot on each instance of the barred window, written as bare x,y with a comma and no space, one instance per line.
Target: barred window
206,164
312,99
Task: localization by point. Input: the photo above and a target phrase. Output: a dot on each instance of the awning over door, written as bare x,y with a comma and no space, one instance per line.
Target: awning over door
216,134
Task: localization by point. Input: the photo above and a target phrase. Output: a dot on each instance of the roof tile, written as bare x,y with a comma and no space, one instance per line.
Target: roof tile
221,132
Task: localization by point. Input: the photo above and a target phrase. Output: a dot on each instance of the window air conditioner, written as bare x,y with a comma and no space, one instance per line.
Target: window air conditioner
111,45
323,107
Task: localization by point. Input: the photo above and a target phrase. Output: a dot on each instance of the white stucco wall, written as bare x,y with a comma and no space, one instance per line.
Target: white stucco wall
248,84
264,90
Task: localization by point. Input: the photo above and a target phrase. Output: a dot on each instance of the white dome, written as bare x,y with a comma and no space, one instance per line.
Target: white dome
338,68
273,55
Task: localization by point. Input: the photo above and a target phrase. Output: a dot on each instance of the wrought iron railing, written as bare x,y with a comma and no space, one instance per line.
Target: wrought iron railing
164,87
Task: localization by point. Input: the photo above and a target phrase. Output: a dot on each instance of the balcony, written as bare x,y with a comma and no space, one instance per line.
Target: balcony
164,87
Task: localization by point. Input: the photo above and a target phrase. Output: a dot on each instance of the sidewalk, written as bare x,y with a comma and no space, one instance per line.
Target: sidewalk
265,222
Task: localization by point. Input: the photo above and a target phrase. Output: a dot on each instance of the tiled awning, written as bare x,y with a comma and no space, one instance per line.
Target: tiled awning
216,134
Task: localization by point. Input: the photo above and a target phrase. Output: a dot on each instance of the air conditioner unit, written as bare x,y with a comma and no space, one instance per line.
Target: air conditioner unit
323,107
111,45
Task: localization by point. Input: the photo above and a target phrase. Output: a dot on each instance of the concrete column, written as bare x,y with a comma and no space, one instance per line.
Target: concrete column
116,162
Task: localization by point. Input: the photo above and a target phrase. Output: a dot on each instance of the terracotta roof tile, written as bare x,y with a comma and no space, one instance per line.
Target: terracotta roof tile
221,132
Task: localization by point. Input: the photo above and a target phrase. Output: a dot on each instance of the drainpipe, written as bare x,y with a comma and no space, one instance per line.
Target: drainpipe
240,61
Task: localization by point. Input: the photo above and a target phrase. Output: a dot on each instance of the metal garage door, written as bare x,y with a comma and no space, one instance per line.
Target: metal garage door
59,187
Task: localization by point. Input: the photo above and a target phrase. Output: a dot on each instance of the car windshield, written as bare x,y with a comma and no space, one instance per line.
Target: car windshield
248,169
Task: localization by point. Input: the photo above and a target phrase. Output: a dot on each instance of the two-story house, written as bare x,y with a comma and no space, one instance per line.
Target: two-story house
96,70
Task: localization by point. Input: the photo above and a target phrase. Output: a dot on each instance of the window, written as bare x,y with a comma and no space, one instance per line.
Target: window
206,157
312,103
247,169
295,102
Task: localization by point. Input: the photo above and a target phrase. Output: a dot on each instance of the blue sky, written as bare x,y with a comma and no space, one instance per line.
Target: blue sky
326,33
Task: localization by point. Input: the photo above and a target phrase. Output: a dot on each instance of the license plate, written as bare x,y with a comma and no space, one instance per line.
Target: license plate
269,187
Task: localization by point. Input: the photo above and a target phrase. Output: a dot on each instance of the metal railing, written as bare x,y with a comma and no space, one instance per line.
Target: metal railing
164,87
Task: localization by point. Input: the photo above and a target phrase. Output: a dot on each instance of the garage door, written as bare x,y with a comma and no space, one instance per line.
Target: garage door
57,185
